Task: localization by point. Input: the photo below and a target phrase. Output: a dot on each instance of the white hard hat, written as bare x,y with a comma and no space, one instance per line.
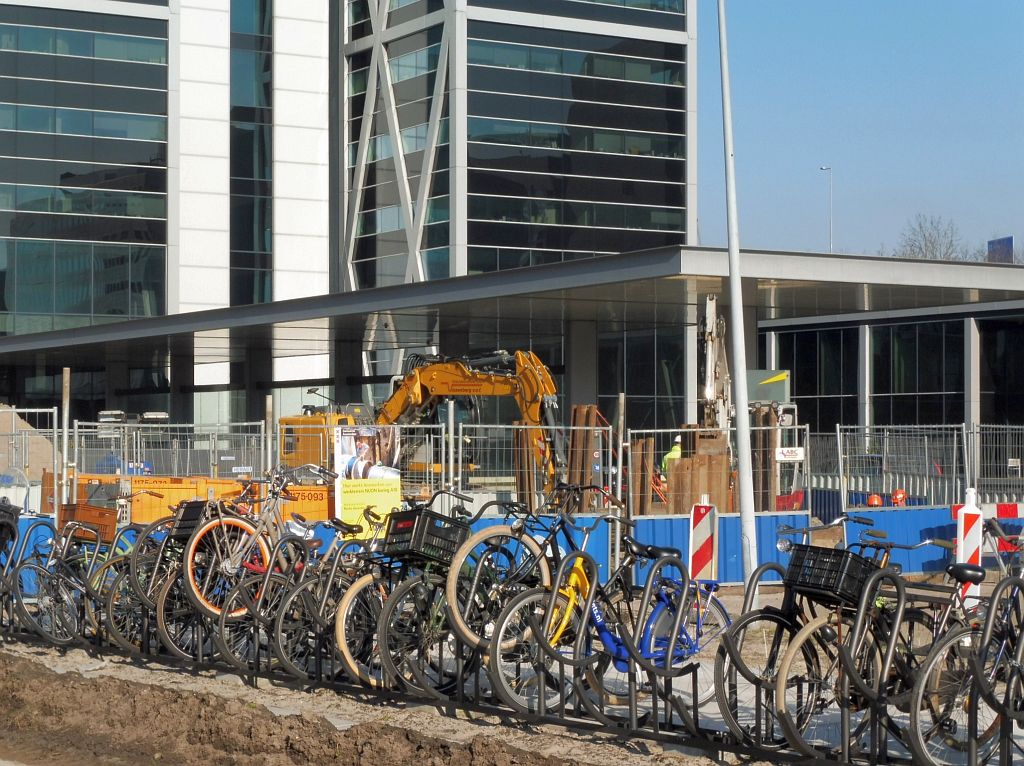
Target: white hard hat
678,440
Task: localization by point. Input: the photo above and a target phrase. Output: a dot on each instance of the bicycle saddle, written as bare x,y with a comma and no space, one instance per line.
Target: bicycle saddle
640,550
964,573
346,529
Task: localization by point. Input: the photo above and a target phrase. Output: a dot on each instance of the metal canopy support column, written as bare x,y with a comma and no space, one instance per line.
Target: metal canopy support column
581,362
972,392
864,375
183,378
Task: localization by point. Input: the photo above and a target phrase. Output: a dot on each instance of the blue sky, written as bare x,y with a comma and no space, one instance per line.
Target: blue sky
918,106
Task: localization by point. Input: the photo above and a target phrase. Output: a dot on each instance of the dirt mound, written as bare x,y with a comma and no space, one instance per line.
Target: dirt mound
45,716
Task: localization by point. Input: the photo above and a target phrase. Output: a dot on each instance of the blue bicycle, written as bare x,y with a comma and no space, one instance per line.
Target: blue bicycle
537,639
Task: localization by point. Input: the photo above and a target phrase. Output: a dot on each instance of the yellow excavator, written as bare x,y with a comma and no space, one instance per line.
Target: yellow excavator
427,383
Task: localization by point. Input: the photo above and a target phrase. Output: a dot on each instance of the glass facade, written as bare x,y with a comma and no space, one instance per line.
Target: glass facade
648,365
823,375
576,144
917,374
83,168
390,164
251,152
1002,374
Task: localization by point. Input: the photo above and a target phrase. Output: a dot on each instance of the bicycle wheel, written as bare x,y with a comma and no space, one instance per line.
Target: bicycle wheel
184,631
245,640
126,617
761,637
304,628
151,558
418,648
486,570
214,559
939,703
97,586
46,605
521,673
355,631
700,637
809,688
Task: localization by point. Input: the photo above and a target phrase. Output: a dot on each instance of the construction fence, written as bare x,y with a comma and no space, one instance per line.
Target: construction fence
793,470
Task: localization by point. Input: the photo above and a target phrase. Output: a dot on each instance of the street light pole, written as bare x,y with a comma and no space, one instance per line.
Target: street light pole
745,476
829,169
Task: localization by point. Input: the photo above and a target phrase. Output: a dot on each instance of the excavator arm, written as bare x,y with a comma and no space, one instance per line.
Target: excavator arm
522,376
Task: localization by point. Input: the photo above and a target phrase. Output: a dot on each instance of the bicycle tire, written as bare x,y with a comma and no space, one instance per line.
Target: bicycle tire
355,632
469,616
418,647
811,717
245,641
714,623
125,618
45,605
151,559
183,630
514,648
97,585
939,703
207,580
303,636
761,637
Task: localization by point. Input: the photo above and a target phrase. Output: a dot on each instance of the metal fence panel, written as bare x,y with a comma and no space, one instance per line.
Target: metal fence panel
502,462
29,448
663,480
997,453
227,450
929,463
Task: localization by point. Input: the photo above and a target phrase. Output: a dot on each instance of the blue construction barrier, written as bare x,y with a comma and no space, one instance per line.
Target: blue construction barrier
674,531
907,526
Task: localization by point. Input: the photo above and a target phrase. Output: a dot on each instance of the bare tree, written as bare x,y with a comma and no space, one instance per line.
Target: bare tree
932,238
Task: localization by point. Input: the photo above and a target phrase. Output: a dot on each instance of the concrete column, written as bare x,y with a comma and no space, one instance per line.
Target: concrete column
771,350
183,377
864,375
581,362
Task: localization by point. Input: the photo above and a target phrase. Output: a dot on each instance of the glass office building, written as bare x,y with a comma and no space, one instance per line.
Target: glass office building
83,168
510,134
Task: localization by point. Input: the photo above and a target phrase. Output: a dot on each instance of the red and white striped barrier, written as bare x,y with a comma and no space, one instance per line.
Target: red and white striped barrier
703,542
969,539
996,511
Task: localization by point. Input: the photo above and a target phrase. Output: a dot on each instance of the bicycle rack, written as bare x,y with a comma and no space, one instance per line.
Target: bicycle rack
736,659
668,671
876,698
15,560
1009,713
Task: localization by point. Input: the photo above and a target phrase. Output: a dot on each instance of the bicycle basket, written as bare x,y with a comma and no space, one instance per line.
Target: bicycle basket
423,535
828,576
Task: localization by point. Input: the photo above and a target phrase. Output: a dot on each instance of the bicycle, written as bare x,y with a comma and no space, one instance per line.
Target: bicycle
809,694
224,547
747,662
589,630
303,630
357,620
494,564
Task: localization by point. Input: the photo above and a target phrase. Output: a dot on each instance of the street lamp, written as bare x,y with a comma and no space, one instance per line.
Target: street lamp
829,169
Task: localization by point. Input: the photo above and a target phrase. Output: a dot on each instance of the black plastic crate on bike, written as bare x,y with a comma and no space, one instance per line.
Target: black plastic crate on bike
828,575
189,515
423,534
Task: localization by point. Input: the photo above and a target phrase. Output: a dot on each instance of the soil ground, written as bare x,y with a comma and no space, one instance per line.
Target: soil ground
107,709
